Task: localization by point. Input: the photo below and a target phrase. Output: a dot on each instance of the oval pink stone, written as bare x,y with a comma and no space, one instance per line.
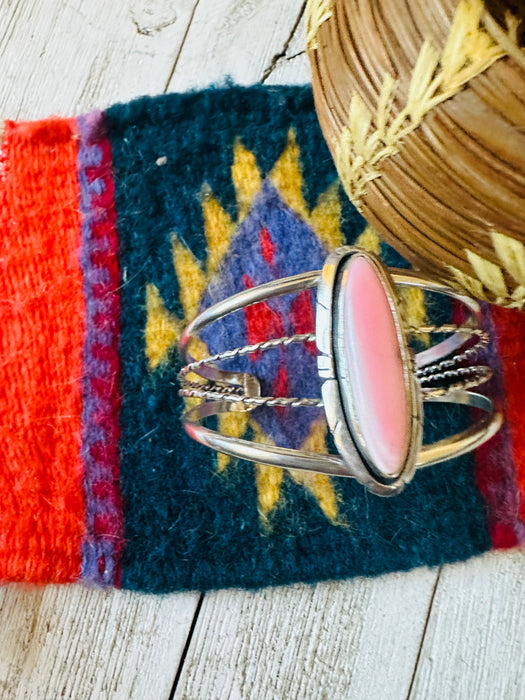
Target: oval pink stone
375,367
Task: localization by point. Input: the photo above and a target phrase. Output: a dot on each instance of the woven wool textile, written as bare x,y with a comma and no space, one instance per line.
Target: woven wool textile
116,228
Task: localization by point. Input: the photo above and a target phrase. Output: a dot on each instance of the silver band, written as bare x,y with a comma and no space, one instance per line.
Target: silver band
308,280
453,446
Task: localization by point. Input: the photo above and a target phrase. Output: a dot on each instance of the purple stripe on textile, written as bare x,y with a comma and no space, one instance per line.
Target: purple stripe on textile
103,542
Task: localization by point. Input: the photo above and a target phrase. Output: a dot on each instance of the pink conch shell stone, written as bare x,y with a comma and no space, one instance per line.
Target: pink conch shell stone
375,367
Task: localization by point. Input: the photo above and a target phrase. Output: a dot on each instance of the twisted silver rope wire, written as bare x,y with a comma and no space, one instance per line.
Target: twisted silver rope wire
444,371
248,350
455,360
255,401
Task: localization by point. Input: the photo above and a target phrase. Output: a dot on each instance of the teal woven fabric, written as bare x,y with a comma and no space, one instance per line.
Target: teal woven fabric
216,191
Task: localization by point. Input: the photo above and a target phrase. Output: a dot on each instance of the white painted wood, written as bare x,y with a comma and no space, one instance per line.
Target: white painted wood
357,639
71,642
69,56
236,39
475,640
292,68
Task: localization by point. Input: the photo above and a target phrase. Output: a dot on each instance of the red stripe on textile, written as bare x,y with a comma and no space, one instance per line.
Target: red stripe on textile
509,332
42,322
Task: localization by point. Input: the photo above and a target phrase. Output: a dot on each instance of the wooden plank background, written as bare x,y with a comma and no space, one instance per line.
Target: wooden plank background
457,632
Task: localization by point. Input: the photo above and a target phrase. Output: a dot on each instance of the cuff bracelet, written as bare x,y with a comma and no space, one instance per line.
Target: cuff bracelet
374,385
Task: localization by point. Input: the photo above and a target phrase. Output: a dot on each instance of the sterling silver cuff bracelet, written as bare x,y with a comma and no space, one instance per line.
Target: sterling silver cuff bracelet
373,384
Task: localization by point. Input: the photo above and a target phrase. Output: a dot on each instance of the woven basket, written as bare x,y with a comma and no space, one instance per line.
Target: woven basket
422,104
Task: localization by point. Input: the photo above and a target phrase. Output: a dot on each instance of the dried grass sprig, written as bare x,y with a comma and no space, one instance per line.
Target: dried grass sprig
317,13
439,74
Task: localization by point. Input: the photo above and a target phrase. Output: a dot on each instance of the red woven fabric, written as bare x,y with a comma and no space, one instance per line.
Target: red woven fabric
42,325
510,326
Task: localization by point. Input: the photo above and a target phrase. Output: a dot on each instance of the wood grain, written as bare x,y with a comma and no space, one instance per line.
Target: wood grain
475,642
291,65
357,639
72,642
63,57
235,39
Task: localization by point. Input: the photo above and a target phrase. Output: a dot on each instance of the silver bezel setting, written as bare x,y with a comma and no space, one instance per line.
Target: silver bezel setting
338,401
